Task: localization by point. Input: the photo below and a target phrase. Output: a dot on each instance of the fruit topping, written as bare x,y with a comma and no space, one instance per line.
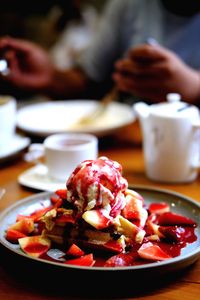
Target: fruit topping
158,208
35,245
153,252
170,218
97,221
85,260
119,260
13,235
74,250
24,226
97,218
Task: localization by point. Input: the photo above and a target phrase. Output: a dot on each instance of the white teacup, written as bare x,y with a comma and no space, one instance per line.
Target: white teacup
8,108
171,140
63,152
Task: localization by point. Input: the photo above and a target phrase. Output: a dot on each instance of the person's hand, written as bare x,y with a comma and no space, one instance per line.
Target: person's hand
30,66
151,71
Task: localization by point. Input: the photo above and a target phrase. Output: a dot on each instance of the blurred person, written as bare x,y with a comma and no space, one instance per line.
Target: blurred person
120,55
63,28
39,22
75,36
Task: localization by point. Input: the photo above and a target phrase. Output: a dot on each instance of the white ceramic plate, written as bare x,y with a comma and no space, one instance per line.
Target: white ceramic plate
16,144
37,178
50,117
116,280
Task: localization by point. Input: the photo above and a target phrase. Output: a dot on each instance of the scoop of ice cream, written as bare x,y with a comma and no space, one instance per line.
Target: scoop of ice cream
97,184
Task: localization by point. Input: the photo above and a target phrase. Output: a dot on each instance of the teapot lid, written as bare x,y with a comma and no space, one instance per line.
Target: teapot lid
174,107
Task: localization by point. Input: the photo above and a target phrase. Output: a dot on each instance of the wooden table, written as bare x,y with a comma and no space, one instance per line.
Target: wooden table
185,286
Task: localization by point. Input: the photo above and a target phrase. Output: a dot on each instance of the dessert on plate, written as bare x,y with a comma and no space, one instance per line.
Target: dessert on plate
98,221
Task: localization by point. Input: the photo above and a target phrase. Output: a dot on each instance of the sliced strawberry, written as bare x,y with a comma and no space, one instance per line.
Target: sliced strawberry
132,208
170,218
74,250
62,193
56,201
173,233
13,235
85,260
35,245
96,218
36,215
153,252
113,246
159,208
135,211
152,229
25,226
119,260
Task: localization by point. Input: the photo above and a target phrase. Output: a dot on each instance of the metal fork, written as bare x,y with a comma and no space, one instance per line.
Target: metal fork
100,109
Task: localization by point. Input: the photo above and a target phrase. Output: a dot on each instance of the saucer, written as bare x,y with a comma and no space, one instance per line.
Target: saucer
13,147
37,178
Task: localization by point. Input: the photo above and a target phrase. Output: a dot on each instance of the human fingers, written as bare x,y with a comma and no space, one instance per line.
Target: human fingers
126,66
16,75
153,93
131,68
147,53
138,82
9,43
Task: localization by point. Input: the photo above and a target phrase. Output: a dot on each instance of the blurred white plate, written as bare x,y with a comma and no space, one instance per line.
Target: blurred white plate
13,147
45,118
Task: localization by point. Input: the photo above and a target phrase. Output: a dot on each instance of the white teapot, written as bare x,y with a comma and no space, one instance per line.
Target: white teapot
171,139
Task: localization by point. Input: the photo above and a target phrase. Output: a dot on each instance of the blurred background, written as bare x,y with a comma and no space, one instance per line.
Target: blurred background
44,21
63,27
